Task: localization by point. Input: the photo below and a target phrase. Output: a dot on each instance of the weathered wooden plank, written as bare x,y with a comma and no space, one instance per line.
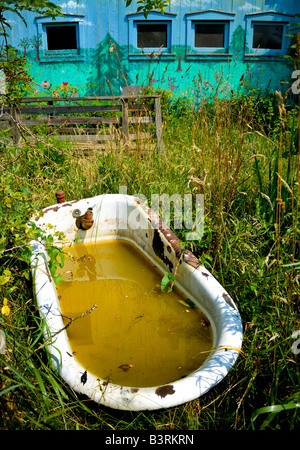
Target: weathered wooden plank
78,131
84,138
142,135
81,109
144,119
102,137
75,131
88,98
71,120
67,109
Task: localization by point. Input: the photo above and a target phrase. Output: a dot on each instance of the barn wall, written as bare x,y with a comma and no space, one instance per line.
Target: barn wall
107,58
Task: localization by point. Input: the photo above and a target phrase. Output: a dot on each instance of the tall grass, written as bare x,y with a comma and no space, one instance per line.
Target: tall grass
250,180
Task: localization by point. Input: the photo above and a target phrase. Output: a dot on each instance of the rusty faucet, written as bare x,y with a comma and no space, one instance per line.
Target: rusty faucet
60,196
85,222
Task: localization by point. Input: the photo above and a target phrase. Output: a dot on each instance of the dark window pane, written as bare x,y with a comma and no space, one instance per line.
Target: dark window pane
267,36
209,35
62,37
152,35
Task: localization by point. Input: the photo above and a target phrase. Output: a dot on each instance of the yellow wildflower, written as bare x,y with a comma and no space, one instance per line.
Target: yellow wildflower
5,309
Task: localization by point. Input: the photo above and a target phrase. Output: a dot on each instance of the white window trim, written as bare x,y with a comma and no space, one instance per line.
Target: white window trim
213,16
135,19
266,18
60,55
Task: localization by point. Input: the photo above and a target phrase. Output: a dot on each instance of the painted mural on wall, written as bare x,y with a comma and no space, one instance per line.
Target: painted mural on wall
109,72
107,58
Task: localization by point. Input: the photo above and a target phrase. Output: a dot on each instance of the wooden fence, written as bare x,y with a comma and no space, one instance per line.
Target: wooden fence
87,119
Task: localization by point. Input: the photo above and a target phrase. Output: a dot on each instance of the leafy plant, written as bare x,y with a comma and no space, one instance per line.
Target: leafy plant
56,255
147,6
19,6
166,280
18,81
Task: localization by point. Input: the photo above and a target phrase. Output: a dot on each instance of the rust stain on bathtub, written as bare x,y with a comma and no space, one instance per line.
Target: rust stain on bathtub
228,300
173,241
55,208
163,391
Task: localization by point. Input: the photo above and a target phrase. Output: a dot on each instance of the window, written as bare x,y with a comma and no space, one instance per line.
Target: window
61,41
156,35
266,34
208,34
61,37
152,35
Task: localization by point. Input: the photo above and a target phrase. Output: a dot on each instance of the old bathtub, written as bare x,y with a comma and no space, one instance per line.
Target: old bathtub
115,216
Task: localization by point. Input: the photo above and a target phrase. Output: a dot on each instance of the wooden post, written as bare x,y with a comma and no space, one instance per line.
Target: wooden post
158,123
14,125
125,123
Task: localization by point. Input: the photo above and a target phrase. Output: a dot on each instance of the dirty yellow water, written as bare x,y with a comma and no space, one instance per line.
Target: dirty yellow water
137,335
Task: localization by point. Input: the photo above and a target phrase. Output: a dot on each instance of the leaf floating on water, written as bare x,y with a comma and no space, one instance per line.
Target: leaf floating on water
184,303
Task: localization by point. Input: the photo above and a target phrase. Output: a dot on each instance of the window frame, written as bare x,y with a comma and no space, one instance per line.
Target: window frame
154,17
213,17
43,22
266,18
58,25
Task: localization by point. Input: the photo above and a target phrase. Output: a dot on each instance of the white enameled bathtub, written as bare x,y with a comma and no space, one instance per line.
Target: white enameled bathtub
115,216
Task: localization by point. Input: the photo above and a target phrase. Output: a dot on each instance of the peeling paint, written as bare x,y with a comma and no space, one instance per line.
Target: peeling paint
83,377
158,247
172,241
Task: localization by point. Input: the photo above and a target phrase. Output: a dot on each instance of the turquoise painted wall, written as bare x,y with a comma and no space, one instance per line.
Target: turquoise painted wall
108,59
